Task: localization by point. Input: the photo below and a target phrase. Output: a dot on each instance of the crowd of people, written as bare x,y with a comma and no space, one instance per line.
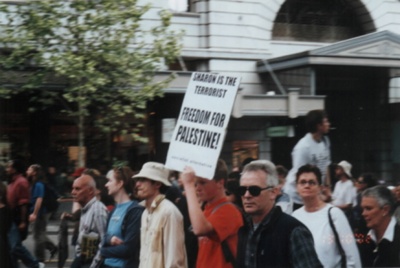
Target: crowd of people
260,216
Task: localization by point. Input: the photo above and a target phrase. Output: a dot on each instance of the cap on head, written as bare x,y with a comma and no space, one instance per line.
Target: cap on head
154,171
346,167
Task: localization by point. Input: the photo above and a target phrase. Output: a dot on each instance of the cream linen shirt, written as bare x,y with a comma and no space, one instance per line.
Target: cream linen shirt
162,239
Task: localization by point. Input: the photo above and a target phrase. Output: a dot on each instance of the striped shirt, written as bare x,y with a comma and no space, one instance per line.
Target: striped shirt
93,222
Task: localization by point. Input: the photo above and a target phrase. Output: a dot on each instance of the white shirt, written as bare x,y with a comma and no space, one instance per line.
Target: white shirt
162,238
324,239
307,151
343,194
389,232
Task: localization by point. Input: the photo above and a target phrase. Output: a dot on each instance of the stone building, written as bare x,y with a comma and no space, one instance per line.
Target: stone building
293,56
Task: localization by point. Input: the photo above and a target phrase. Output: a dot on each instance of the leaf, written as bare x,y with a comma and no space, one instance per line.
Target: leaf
97,59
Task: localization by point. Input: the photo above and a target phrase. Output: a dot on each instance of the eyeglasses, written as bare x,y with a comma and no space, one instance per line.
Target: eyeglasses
253,190
310,182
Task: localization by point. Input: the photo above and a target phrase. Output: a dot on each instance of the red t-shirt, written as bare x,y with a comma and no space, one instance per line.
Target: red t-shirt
226,221
18,192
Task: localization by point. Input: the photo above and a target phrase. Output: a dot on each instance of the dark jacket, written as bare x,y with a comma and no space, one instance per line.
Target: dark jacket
274,246
130,249
385,254
5,228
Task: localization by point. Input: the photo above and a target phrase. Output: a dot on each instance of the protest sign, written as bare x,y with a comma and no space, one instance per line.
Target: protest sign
199,134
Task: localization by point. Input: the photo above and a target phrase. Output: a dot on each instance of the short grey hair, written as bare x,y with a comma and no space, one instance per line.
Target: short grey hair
268,167
382,195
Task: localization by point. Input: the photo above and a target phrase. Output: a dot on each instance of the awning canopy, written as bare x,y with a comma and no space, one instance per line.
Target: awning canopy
380,49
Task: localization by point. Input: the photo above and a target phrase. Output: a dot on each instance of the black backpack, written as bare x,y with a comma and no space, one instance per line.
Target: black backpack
50,199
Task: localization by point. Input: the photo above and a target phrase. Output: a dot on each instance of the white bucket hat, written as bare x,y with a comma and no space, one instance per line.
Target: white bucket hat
154,171
346,167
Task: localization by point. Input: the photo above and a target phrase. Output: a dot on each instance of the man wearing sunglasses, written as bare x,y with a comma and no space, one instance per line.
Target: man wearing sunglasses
218,224
270,238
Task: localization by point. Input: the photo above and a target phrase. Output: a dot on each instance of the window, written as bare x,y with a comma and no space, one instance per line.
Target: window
394,90
178,5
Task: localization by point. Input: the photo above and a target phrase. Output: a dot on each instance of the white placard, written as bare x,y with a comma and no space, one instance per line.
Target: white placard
201,127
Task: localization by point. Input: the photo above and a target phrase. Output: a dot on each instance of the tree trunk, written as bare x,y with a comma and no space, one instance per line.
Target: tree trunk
81,138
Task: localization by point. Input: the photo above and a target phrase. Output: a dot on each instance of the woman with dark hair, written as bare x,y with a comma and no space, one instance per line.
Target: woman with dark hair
381,248
121,246
38,214
5,226
325,222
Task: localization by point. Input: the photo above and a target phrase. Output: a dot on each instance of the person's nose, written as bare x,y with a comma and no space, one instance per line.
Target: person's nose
247,194
363,213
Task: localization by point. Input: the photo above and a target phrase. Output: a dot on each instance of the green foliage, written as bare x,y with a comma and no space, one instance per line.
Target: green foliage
96,58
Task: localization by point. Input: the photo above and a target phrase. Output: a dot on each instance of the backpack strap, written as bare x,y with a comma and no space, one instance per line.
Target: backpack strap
224,244
341,251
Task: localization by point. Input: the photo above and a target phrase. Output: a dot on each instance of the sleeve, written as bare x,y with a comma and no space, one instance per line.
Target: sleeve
131,237
226,221
302,250
346,237
100,222
39,190
174,240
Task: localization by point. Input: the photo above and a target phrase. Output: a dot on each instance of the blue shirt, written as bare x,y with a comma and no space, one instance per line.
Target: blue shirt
114,229
36,192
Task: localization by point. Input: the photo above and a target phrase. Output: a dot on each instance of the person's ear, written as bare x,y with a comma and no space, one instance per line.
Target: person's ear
274,192
120,184
386,210
158,184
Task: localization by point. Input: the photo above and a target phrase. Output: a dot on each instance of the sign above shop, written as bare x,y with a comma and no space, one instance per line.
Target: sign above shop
280,131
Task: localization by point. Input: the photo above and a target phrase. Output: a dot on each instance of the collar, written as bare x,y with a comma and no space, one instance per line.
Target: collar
389,232
267,219
156,202
269,216
88,205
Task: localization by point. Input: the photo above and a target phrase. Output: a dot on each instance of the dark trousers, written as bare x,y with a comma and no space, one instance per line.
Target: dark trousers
18,251
79,263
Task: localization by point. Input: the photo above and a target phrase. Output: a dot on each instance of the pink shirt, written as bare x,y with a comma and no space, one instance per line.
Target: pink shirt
18,191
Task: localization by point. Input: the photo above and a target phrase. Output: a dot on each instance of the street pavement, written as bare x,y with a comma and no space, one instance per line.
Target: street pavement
52,233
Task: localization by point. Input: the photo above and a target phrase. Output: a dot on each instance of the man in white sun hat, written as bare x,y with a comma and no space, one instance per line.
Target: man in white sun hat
344,192
162,239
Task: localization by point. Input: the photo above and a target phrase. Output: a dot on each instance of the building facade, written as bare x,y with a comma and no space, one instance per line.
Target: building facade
339,55
293,56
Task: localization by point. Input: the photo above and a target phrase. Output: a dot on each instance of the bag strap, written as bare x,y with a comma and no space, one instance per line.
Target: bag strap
341,251
224,244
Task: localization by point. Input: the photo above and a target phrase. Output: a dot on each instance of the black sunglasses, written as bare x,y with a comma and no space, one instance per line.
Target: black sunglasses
253,190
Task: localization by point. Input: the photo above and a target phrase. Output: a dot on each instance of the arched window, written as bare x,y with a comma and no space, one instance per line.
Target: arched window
318,21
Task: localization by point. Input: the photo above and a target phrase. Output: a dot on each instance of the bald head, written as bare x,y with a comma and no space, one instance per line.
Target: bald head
84,189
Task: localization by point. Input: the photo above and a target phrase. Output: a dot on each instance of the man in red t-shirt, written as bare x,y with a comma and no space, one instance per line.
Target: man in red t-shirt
220,221
18,195
18,199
